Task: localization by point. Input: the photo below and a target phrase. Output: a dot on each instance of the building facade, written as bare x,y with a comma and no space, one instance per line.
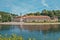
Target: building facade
35,19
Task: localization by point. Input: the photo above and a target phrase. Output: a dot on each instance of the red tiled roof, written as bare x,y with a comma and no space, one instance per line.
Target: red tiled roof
34,17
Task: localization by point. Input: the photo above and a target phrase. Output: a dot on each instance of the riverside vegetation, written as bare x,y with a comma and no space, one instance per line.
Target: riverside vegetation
6,16
14,37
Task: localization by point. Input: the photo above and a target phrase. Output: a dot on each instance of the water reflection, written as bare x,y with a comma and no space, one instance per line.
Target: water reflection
40,32
41,27
5,27
44,28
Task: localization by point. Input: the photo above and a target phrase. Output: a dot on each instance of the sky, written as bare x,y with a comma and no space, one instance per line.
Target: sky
27,6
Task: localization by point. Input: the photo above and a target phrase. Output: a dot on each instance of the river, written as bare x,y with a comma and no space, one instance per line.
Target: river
39,32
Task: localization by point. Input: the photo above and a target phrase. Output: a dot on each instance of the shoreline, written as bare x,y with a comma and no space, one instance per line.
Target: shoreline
21,23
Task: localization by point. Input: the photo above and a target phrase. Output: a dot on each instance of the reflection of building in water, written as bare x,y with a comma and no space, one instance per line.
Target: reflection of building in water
40,27
35,19
36,27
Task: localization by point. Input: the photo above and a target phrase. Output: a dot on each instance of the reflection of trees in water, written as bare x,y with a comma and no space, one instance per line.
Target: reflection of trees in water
5,27
54,28
43,28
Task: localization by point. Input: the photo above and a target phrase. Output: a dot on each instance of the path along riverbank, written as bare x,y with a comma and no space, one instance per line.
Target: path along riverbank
22,23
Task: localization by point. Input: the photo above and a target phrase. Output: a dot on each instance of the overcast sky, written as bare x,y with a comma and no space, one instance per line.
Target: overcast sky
26,6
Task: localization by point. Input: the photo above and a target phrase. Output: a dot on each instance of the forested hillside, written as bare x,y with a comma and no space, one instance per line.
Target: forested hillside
6,17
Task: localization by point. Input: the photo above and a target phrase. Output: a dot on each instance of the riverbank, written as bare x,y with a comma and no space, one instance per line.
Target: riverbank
22,23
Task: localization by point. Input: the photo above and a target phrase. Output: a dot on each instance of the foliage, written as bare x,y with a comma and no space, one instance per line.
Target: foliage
5,16
51,13
45,12
33,14
14,37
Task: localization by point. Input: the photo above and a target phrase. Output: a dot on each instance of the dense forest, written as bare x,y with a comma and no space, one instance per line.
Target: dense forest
6,17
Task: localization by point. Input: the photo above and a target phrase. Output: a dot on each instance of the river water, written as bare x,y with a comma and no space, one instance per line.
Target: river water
39,32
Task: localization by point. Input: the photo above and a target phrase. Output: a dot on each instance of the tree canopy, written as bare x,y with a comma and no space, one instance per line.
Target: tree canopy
50,13
5,16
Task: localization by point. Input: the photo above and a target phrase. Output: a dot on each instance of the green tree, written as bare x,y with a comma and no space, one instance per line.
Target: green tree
30,14
37,14
44,12
51,14
5,16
